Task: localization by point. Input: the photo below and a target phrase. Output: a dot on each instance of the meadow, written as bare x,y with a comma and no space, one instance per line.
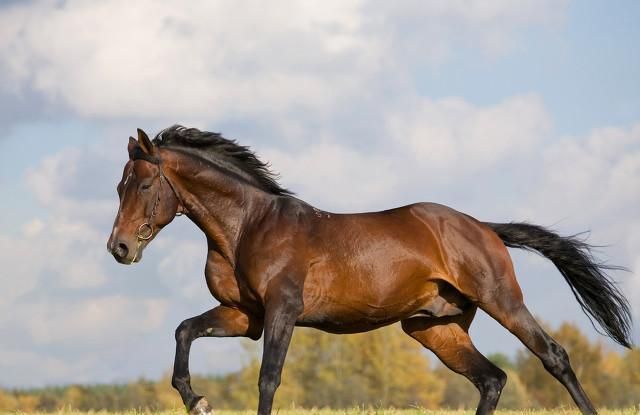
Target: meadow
356,411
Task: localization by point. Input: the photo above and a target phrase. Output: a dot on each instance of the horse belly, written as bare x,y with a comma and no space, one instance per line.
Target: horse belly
348,303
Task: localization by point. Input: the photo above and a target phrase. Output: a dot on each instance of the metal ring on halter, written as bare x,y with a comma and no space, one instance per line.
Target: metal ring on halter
141,235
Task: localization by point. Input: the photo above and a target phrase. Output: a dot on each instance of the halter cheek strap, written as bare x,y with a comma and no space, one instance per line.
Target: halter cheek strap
147,229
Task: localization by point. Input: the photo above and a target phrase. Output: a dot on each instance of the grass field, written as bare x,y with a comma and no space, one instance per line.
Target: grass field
629,411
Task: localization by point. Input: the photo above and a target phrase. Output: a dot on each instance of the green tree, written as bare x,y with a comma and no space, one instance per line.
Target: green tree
501,360
458,392
515,394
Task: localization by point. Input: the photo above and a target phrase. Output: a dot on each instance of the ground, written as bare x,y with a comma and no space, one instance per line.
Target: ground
357,411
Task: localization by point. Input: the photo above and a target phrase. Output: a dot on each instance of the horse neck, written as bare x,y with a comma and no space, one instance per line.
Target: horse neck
219,204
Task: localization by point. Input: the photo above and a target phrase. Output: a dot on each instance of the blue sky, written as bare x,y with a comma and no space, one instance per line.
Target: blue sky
525,110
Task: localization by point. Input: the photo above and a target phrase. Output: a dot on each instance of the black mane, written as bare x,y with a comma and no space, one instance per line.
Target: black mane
224,153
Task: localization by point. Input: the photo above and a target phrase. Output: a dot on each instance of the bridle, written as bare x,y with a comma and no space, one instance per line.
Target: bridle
148,229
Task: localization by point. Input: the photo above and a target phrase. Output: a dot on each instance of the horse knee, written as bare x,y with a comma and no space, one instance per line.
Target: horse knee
184,331
179,382
268,383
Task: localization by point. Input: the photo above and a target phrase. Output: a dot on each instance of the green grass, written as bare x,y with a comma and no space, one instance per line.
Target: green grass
358,411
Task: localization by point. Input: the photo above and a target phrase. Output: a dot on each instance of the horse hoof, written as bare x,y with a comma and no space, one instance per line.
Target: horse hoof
202,407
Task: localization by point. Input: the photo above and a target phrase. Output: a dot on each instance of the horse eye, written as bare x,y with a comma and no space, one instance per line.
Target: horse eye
145,186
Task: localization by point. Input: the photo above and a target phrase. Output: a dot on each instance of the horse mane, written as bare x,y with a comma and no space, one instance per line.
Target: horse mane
224,153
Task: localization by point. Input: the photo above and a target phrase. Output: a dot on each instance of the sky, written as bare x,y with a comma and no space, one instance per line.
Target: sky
505,110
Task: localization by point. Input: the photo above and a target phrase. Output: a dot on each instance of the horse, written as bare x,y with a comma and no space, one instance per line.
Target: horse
275,262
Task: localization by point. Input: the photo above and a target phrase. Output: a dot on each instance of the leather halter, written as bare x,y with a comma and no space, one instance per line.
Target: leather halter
147,229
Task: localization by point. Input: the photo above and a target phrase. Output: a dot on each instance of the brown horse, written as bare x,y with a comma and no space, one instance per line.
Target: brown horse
275,262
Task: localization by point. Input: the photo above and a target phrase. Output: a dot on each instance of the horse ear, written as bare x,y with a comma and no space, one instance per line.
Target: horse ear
145,142
132,145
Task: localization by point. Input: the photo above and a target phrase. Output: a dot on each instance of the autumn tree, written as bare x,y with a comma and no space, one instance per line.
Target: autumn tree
8,402
587,360
379,368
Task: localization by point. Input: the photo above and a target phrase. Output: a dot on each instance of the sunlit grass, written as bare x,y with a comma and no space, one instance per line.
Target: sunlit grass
357,411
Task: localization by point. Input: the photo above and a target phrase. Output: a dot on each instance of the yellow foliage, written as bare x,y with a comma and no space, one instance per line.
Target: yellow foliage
73,397
28,403
8,402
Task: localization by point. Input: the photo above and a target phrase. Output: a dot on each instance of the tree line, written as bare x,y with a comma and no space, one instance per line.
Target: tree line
382,368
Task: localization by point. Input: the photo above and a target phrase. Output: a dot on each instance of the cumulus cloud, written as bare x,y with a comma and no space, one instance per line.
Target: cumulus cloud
319,173
98,319
427,32
594,181
62,253
215,60
596,176
452,132
423,145
182,266
76,182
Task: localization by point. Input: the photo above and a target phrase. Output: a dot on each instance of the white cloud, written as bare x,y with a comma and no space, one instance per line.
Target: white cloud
66,183
593,182
447,139
182,266
595,177
333,173
63,250
22,361
452,132
633,282
434,28
220,59
97,319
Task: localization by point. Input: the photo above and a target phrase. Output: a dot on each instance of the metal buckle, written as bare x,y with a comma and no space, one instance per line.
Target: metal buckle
145,232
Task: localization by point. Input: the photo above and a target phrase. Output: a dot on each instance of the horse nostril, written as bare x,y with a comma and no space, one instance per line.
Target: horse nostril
121,250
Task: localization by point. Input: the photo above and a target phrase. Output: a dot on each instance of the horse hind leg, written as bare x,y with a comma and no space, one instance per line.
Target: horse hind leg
501,298
447,337
553,356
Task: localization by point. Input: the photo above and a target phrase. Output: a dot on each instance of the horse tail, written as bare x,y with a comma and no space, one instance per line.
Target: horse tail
595,291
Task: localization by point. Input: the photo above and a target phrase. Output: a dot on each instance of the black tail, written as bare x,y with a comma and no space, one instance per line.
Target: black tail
593,288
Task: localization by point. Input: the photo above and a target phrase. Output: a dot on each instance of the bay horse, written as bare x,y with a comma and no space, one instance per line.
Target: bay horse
275,262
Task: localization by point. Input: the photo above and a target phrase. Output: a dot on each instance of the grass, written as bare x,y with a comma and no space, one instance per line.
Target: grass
360,411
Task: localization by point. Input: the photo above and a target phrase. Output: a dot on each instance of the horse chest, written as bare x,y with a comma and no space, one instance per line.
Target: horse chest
224,287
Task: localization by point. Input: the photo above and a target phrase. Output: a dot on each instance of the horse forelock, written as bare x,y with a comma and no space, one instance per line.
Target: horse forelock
137,153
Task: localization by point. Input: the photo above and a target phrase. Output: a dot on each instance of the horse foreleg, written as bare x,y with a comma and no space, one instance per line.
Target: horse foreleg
281,313
220,321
